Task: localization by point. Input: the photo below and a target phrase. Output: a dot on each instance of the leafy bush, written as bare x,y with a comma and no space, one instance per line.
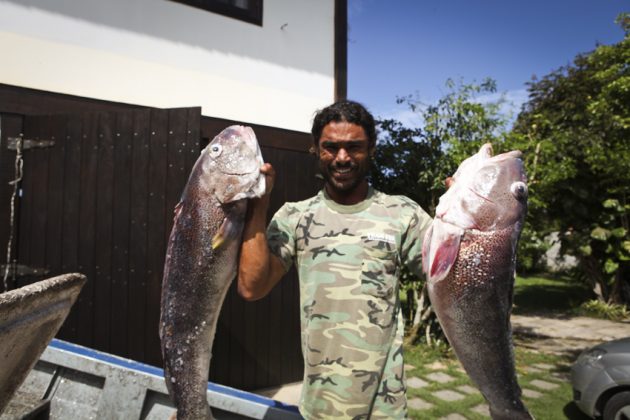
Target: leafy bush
598,309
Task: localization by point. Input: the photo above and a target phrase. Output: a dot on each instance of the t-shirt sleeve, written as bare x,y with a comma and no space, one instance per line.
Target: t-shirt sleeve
412,245
281,234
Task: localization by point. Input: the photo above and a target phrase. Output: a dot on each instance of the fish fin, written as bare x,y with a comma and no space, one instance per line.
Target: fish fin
177,210
426,245
443,249
230,230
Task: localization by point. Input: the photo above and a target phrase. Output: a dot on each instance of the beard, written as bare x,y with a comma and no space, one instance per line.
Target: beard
344,178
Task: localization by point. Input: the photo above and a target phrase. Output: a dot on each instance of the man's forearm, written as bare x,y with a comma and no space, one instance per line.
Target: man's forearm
253,273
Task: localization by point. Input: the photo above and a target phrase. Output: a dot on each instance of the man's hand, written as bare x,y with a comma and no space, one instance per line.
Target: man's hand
258,206
270,177
259,270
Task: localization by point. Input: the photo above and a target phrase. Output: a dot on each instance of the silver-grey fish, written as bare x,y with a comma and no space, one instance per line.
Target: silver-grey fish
469,256
201,262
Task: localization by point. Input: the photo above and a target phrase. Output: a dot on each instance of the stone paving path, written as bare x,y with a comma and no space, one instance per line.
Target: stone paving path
437,386
546,334
570,327
563,335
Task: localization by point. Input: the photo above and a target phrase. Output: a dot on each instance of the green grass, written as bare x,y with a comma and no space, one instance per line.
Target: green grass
536,294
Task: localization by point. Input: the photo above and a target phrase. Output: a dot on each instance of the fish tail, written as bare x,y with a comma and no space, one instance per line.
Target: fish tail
511,415
186,386
190,405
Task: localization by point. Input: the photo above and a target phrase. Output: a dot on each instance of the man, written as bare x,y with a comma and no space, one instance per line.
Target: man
349,243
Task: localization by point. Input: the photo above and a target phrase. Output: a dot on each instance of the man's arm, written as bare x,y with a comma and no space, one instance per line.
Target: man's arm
258,269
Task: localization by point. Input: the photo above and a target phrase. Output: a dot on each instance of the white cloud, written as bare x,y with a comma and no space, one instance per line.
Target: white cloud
403,114
511,106
512,101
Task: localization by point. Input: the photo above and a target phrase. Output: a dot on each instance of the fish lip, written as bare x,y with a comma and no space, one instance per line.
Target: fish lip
512,154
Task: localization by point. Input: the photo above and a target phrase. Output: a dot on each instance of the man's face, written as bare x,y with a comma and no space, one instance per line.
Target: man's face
344,156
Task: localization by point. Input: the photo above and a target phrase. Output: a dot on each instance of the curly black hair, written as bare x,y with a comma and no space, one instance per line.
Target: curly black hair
348,111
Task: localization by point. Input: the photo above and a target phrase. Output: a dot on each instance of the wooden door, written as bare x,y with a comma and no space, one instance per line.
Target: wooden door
99,201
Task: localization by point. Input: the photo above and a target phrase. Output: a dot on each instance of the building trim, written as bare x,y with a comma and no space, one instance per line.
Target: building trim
253,14
26,101
341,49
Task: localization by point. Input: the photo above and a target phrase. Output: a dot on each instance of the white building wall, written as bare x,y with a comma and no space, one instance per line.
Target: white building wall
165,54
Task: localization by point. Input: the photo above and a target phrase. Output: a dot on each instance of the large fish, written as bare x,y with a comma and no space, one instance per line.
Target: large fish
469,255
201,261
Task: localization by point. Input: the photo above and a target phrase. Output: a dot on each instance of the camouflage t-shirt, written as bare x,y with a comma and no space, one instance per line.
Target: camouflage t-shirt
349,260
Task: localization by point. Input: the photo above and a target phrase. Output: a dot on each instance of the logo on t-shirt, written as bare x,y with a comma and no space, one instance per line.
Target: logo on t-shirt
383,237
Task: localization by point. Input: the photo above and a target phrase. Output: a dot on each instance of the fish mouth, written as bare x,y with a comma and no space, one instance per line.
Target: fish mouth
472,227
237,173
469,223
481,196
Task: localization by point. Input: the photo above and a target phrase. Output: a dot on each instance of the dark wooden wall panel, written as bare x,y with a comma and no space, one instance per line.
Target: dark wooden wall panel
38,184
122,136
24,101
87,227
156,231
104,243
54,233
267,136
138,234
71,198
105,208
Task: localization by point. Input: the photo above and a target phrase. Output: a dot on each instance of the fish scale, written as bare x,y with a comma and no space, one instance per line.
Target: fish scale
480,332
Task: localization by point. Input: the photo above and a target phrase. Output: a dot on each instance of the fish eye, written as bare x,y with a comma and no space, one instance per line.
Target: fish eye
519,190
215,150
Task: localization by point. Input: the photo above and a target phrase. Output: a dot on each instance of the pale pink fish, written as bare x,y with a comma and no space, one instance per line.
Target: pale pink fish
469,257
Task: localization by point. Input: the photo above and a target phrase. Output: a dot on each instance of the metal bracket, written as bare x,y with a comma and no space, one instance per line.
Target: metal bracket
28,143
19,270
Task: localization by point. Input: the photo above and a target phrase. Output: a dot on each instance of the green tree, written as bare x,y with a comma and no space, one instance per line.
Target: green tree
415,162
575,133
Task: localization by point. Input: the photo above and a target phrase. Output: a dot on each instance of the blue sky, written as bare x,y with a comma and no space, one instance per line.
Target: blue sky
402,47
